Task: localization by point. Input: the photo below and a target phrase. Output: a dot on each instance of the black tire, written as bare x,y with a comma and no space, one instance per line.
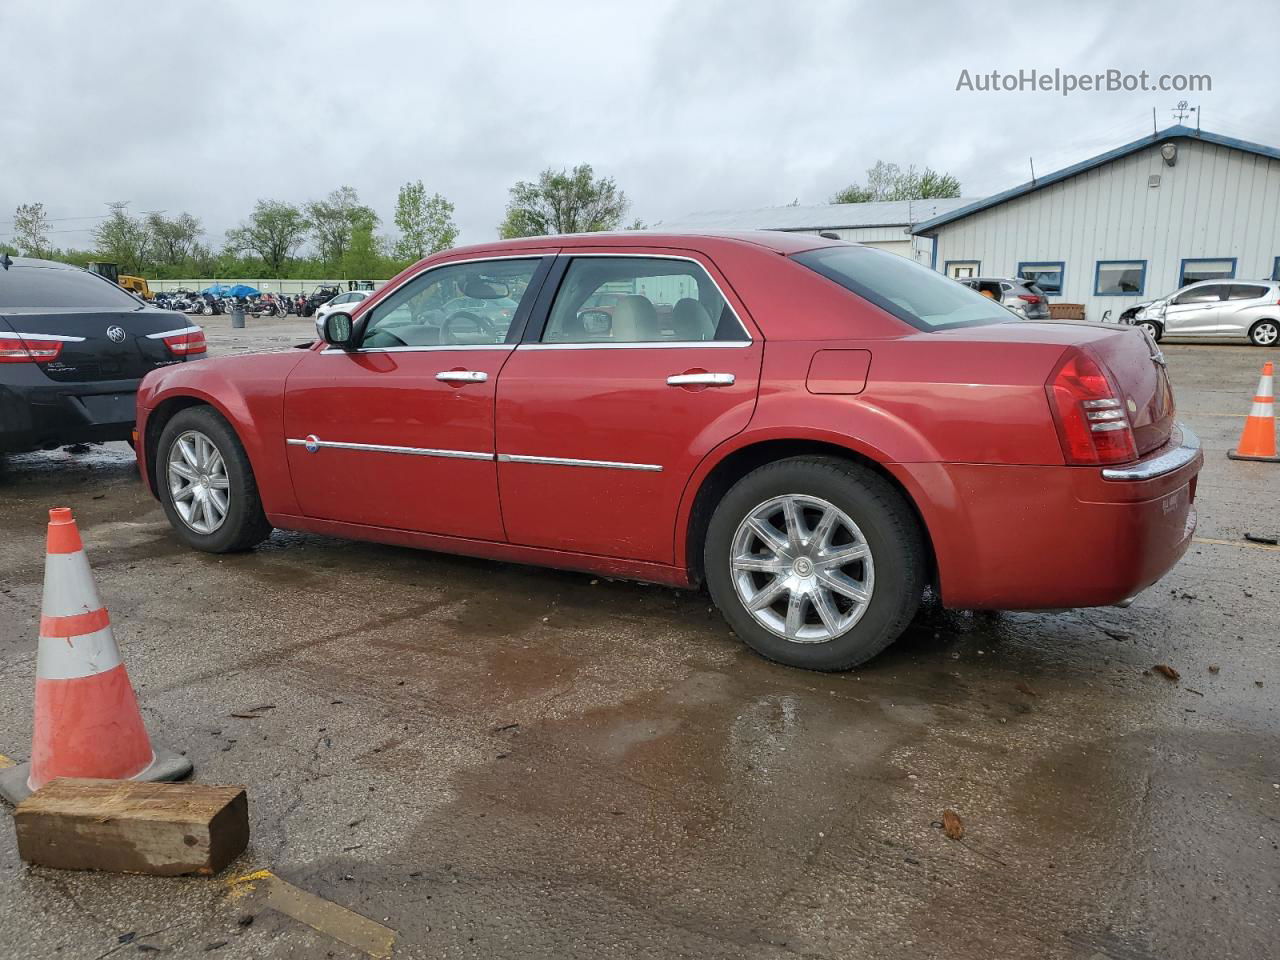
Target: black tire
1153,328
1265,333
245,524
888,526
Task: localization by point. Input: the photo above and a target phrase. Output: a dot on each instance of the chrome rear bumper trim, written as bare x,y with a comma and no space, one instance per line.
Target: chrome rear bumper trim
1175,459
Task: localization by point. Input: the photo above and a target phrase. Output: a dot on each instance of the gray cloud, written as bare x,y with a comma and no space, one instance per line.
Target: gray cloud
690,105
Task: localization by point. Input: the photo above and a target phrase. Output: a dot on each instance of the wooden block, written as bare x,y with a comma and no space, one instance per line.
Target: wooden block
165,829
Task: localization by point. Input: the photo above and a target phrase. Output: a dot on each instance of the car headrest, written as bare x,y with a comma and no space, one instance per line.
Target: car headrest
635,321
691,321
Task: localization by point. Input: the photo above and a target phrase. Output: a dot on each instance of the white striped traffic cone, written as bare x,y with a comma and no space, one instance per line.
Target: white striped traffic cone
1258,442
87,722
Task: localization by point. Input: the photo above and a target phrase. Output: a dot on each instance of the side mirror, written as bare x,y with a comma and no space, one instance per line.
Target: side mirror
338,330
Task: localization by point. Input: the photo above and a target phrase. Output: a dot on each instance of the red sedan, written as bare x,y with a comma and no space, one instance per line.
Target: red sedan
815,430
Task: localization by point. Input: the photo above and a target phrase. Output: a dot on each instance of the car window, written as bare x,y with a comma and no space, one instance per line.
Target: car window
607,300
914,294
453,305
1047,276
22,286
1205,294
1246,291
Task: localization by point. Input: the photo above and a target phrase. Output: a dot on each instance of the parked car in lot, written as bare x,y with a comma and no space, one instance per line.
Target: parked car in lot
818,432
343,301
73,347
1020,297
1232,309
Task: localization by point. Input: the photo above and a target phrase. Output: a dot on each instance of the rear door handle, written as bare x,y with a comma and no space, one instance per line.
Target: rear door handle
462,376
701,380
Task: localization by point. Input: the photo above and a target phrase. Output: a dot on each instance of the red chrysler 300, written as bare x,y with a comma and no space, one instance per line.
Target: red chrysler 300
814,429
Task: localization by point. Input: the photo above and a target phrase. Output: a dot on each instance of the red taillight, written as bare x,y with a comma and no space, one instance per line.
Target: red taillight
1089,413
28,349
186,344
1029,297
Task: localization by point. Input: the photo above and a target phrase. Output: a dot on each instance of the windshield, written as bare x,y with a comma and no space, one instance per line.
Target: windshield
920,296
23,287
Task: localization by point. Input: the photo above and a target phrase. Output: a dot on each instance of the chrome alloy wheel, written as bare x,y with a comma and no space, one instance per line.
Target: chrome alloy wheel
802,568
1266,333
198,482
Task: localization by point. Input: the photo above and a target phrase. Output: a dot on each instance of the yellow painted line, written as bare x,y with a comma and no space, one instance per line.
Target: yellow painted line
318,913
6,762
1237,543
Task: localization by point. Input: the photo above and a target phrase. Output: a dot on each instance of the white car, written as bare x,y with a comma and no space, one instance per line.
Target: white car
346,302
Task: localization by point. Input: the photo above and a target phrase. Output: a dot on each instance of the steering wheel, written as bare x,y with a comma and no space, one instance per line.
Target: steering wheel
482,325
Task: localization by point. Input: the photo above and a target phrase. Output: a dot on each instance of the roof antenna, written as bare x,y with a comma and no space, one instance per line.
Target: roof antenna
1155,129
6,261
1032,161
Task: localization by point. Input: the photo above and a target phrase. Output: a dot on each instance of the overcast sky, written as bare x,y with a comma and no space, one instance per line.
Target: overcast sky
692,105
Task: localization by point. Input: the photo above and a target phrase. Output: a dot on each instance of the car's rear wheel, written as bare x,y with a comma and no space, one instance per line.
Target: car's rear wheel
815,562
206,483
1264,333
1154,329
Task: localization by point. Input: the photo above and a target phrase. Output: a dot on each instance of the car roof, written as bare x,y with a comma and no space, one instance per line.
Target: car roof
43,264
775,240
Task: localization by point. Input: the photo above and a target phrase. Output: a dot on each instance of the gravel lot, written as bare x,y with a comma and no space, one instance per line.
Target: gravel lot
501,761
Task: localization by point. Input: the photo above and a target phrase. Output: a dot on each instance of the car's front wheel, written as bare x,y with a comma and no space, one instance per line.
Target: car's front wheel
1152,328
206,483
1264,333
815,562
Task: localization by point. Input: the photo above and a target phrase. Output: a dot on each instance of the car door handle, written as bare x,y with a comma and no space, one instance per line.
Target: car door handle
462,376
701,380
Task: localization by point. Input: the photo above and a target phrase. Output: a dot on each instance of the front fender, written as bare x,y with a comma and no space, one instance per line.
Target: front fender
248,392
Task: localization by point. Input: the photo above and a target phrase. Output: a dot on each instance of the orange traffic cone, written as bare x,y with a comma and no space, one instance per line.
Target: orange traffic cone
87,722
1258,442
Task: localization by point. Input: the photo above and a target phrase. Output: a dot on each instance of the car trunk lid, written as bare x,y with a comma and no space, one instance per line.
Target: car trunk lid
95,344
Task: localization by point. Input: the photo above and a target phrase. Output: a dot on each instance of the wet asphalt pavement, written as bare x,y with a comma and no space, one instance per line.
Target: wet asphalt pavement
501,761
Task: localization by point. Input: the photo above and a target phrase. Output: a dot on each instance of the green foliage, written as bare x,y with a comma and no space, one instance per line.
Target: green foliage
124,240
888,181
562,201
426,222
334,219
31,229
173,240
273,232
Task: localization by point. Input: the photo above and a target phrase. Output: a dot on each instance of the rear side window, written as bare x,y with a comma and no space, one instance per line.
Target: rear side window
1246,291
912,293
43,287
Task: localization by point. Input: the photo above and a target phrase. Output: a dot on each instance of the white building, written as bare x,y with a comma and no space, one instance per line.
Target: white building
1128,225
885,224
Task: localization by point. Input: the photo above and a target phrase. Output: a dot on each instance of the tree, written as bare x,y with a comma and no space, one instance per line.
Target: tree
563,201
888,181
172,241
31,229
123,239
274,231
363,259
334,219
426,223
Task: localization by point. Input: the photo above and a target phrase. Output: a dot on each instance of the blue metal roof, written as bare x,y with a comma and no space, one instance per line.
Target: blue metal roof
1169,133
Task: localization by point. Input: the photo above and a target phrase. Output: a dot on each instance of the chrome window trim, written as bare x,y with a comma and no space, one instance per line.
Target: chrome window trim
441,348
1186,451
640,345
388,448
18,335
573,462
570,255
173,333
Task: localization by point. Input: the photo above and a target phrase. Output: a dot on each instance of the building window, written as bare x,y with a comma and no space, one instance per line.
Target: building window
1048,275
1120,278
1217,268
963,269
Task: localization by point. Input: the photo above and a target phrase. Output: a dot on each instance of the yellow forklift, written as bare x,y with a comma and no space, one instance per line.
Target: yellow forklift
112,272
